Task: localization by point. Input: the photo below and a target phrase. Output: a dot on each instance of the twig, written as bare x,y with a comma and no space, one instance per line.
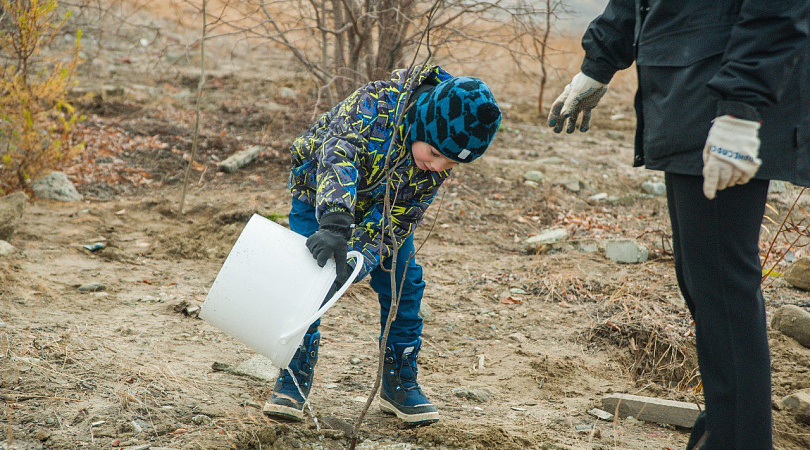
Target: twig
197,108
387,217
23,397
776,236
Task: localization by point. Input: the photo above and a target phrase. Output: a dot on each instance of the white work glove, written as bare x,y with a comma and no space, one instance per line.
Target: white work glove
580,96
730,154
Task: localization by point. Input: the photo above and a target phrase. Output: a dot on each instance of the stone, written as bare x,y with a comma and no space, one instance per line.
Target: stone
534,175
654,188
651,409
92,287
56,186
598,413
288,93
586,245
426,311
798,274
258,367
545,241
6,248
613,134
799,404
552,160
626,251
777,187
12,207
572,185
240,159
200,419
794,322
479,395
518,337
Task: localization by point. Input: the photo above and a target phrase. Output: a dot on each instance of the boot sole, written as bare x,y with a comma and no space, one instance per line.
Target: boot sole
411,419
282,412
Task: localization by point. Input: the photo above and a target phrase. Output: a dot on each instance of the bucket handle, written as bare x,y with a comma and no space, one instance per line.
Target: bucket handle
325,307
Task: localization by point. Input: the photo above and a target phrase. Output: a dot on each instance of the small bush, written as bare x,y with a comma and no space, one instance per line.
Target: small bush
35,116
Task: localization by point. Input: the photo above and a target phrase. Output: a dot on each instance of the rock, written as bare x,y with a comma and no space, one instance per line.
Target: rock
12,207
240,159
583,428
274,107
479,395
426,311
654,188
192,311
586,245
6,248
799,404
777,187
613,134
518,337
92,287
798,274
604,415
651,409
533,175
545,241
572,185
626,251
56,186
794,322
288,93
599,196
258,367
200,419
553,160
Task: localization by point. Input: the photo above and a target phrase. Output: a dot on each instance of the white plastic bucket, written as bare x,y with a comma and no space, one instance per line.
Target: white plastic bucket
270,290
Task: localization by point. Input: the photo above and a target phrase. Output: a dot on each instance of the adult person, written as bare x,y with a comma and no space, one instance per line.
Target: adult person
723,106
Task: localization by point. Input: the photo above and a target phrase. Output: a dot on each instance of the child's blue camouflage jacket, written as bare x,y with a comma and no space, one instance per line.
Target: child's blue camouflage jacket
339,165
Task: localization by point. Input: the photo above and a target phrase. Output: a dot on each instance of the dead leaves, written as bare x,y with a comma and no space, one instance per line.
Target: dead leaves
100,161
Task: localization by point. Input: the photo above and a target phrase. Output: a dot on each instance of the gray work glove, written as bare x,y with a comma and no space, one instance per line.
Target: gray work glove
332,241
730,154
580,96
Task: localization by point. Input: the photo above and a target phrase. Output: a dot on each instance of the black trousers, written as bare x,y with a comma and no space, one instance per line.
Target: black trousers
716,246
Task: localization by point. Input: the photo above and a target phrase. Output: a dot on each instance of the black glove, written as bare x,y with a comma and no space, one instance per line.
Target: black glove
332,241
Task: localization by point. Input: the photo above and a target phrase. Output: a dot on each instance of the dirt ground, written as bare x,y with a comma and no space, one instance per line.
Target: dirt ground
539,338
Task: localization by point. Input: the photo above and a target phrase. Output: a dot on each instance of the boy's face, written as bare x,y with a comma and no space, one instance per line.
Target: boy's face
428,158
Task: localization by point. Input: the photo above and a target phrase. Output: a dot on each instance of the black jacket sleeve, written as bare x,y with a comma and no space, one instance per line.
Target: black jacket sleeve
762,52
608,41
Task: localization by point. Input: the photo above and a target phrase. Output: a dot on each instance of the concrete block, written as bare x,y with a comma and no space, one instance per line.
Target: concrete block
652,409
626,251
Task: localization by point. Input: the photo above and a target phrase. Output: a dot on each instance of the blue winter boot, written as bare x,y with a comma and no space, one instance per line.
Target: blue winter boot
401,394
286,402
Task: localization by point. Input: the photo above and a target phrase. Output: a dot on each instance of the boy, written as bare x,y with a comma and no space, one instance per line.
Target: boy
338,181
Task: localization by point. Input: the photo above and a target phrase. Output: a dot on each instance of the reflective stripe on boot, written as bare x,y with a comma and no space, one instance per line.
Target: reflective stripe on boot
401,394
286,401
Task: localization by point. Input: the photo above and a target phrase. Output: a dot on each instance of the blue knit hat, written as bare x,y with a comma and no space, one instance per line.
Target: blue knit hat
459,117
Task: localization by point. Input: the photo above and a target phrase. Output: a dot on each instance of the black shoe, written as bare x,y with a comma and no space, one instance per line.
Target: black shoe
286,401
401,394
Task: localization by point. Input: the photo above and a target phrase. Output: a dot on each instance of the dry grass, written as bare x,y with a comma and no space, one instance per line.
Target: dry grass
657,336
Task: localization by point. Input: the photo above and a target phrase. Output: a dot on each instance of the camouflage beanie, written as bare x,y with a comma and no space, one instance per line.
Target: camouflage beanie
458,117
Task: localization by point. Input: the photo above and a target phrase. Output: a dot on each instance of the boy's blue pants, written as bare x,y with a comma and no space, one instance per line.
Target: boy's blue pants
408,324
